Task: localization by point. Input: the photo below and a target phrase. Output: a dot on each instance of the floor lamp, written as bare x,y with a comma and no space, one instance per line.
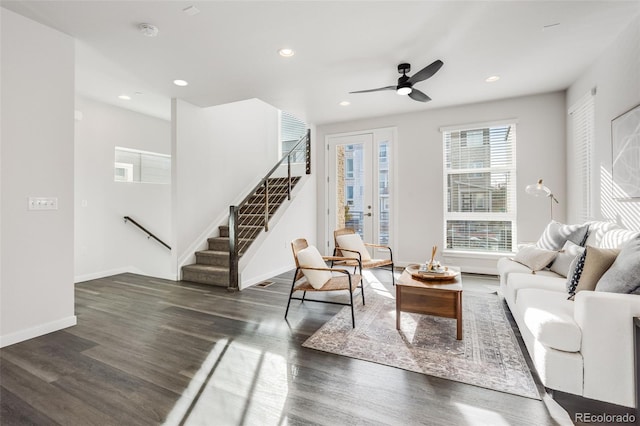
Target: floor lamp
540,190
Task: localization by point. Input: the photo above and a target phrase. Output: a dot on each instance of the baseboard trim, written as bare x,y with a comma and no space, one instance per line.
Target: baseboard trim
263,277
102,274
124,270
39,330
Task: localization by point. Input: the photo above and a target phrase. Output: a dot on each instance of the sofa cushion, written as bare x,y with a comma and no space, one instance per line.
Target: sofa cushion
535,258
544,280
597,229
624,275
548,315
616,238
556,234
563,260
597,261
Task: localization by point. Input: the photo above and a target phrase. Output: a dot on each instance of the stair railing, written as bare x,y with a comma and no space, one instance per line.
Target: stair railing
149,234
258,212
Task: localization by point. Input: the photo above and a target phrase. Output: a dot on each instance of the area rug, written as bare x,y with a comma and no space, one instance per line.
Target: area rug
488,355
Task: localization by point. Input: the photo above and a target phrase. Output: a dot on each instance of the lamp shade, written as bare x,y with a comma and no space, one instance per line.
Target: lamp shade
538,189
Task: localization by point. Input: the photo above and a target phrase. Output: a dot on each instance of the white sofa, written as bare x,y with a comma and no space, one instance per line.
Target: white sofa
585,346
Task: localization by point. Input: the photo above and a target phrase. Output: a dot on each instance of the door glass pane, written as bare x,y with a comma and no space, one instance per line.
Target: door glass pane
383,193
350,187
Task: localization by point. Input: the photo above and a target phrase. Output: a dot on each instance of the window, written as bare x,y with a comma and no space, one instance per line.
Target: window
349,195
582,123
349,162
140,166
479,182
291,130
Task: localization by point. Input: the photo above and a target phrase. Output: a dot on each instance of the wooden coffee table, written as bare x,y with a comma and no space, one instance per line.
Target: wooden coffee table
437,297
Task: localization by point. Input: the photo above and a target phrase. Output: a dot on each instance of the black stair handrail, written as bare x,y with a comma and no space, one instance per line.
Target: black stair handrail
262,209
149,234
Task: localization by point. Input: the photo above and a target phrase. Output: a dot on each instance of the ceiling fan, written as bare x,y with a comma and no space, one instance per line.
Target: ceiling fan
405,83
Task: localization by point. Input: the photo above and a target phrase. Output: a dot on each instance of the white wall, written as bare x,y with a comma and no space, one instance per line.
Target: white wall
104,244
37,80
418,219
218,154
616,75
271,254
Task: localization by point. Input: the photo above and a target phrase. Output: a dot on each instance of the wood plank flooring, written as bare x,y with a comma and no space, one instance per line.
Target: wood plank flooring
148,351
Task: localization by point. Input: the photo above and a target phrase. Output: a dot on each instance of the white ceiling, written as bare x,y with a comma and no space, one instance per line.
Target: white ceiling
228,52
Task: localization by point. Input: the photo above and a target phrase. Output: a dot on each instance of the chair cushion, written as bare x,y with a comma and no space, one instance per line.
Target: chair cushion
548,315
312,258
353,242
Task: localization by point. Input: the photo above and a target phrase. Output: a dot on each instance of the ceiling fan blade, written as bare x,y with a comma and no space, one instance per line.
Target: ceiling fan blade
376,90
417,95
426,72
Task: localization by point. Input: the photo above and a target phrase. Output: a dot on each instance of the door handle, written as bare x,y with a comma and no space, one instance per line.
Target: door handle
368,214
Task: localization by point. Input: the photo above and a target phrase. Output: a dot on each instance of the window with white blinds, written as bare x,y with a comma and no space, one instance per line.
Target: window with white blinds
582,124
480,185
132,165
291,130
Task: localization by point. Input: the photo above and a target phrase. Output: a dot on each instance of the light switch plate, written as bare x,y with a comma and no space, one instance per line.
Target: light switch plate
43,203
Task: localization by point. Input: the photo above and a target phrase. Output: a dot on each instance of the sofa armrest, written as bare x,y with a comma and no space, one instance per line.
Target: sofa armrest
606,322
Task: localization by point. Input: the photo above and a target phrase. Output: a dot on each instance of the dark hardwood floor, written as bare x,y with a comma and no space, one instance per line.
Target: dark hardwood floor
150,351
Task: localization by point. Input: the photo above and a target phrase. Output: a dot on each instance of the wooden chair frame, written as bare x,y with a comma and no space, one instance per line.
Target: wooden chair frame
334,284
373,263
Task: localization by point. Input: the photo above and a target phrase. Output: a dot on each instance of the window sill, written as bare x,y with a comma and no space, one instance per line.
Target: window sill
477,254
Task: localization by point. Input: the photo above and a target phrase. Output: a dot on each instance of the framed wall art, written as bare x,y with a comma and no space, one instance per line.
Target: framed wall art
625,149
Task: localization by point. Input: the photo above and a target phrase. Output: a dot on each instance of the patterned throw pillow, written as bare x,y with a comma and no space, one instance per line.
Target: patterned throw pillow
576,271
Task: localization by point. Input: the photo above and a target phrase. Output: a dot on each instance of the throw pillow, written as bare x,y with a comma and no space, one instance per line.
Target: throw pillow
574,276
312,258
624,275
596,263
534,258
569,251
353,242
556,234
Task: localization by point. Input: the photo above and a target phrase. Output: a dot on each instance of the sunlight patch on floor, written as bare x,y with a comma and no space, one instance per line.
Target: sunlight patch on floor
236,384
376,285
480,416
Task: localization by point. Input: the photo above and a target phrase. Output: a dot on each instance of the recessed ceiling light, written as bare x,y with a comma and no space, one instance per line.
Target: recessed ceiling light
124,97
286,52
492,78
180,83
148,30
345,103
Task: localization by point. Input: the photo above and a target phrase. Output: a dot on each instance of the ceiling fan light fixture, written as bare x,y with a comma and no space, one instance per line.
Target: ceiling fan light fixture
405,90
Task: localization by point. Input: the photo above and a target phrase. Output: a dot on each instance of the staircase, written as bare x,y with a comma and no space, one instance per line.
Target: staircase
212,265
